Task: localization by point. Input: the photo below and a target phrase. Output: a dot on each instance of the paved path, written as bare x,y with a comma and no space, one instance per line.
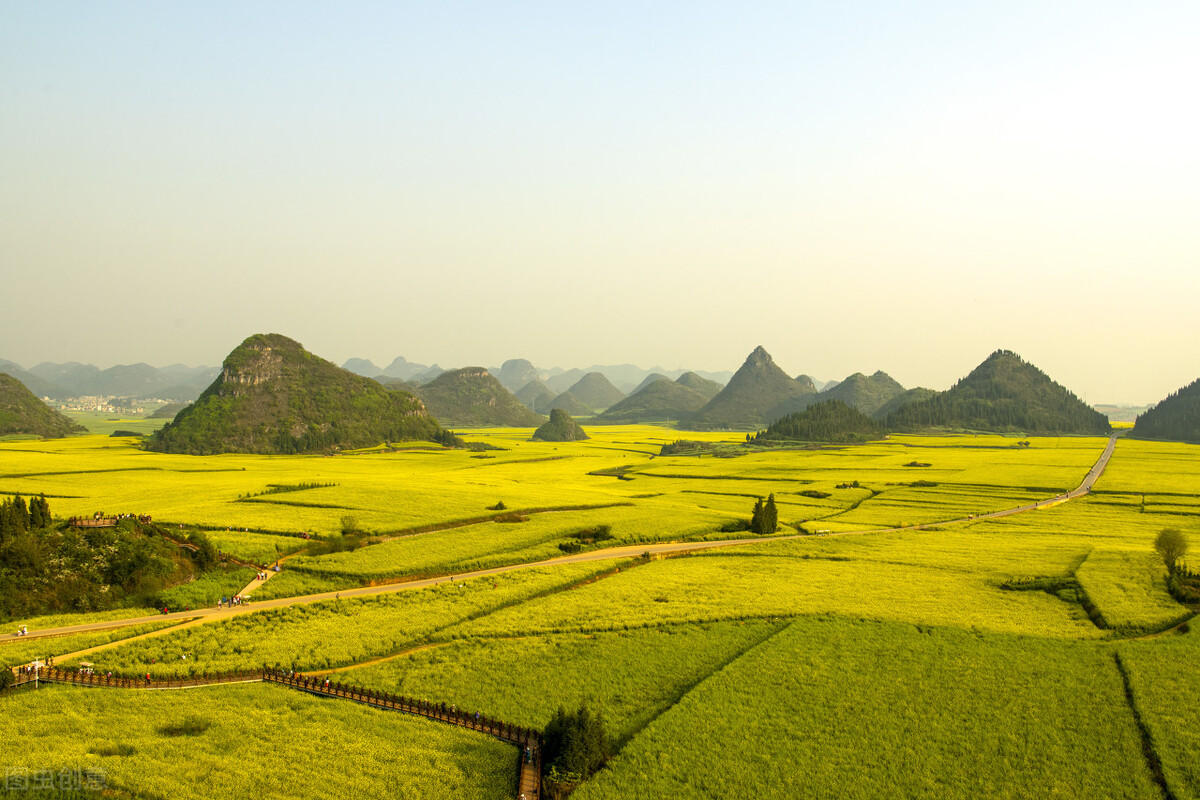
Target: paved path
613,553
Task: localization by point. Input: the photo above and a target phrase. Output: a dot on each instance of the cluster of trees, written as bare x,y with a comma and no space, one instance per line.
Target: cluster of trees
765,518
575,745
46,568
16,516
828,421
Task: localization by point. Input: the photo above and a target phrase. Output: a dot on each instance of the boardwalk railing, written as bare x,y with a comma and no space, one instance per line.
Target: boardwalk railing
526,737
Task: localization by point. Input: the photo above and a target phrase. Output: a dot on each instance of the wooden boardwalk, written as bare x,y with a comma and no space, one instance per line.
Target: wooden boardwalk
527,740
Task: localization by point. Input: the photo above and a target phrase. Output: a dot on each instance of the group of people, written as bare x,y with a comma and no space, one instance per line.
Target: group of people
230,602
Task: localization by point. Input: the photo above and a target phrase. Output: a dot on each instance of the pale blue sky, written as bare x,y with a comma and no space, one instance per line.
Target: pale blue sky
855,186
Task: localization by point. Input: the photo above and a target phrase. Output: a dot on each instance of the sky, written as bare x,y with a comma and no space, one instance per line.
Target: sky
854,186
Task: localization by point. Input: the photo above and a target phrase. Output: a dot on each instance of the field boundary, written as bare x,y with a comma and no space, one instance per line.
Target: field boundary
1153,762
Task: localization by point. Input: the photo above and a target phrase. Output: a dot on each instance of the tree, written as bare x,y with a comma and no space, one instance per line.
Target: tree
756,517
770,516
575,742
1171,544
765,518
205,554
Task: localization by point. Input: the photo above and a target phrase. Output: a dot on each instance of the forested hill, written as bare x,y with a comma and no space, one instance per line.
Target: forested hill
1177,417
748,399
273,396
664,399
471,396
827,421
1003,394
560,428
22,412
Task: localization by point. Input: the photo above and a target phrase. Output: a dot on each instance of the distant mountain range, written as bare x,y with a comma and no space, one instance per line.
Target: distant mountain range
61,381
516,373
1004,393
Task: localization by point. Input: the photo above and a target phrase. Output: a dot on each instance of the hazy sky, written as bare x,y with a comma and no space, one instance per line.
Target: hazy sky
854,185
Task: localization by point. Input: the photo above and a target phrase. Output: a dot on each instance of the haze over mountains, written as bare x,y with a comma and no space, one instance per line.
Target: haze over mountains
303,408
62,381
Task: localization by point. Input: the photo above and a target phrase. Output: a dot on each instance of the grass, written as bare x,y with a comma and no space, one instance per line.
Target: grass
14,652
1165,683
335,632
730,587
1129,590
629,677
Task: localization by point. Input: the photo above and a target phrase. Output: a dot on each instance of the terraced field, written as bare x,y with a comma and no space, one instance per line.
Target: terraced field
972,657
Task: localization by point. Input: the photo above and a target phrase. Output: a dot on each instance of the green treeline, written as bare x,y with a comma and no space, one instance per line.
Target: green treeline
829,421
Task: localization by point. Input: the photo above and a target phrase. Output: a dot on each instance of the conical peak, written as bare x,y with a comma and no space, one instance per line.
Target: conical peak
759,357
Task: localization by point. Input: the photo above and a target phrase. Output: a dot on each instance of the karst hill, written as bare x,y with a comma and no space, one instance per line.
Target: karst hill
473,397
273,396
1003,394
21,412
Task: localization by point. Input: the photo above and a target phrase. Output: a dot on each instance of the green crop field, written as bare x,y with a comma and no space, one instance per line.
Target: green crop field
830,708
969,658
240,740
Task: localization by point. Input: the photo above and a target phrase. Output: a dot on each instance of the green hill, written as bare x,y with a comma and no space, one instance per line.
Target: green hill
1003,394
661,400
807,383
904,398
758,387
704,386
1177,417
827,421
536,396
169,411
649,379
473,397
571,404
273,396
596,391
21,412
867,393
560,428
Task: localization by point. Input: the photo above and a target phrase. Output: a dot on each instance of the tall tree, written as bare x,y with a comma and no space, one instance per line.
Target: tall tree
1171,544
770,516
